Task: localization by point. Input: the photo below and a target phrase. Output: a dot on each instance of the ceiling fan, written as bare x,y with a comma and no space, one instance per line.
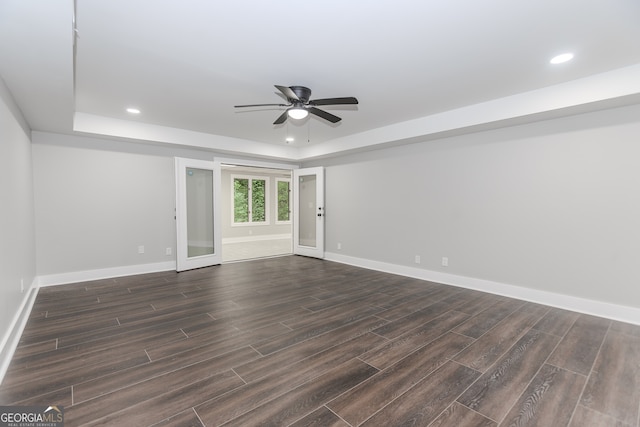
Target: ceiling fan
300,105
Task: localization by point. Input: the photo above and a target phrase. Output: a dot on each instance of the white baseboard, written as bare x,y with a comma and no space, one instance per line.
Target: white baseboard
582,305
103,273
245,239
12,336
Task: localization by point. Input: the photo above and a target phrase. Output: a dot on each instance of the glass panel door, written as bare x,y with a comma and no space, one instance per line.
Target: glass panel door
198,241
199,183
308,212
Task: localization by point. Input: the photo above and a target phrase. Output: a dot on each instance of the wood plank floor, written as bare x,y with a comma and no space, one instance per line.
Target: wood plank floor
303,342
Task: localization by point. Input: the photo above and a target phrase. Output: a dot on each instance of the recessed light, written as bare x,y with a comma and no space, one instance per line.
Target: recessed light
133,111
289,139
559,59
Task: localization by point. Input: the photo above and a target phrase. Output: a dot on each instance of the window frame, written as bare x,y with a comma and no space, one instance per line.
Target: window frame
288,181
267,204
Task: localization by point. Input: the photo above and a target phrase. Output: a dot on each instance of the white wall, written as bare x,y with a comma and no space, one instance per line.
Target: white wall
552,206
97,201
17,236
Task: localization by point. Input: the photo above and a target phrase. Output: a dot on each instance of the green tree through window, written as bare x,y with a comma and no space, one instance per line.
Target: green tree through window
240,200
283,201
258,200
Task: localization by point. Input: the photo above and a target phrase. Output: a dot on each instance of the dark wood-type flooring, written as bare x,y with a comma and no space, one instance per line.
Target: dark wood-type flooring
303,342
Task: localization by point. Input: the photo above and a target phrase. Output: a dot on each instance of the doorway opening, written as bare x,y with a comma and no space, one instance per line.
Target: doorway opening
256,212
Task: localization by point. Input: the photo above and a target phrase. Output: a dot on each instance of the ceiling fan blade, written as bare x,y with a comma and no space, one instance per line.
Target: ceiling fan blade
327,116
286,91
281,119
262,105
349,100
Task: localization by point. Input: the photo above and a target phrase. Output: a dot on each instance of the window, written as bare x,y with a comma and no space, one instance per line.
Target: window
283,197
250,202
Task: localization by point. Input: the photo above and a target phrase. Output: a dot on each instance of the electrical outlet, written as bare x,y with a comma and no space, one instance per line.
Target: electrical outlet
167,251
141,249
339,245
417,259
445,261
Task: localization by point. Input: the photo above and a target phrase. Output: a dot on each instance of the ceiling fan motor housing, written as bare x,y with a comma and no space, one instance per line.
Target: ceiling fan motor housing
303,93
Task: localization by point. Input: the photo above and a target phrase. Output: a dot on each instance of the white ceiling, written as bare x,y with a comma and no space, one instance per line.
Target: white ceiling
420,69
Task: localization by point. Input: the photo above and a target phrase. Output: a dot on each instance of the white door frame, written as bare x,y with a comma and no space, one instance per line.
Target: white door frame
183,261
318,213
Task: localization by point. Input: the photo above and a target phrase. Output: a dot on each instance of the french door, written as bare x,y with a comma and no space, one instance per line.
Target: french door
308,212
197,219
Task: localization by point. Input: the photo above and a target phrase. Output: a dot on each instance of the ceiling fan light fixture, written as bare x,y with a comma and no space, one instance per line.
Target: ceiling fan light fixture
298,113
